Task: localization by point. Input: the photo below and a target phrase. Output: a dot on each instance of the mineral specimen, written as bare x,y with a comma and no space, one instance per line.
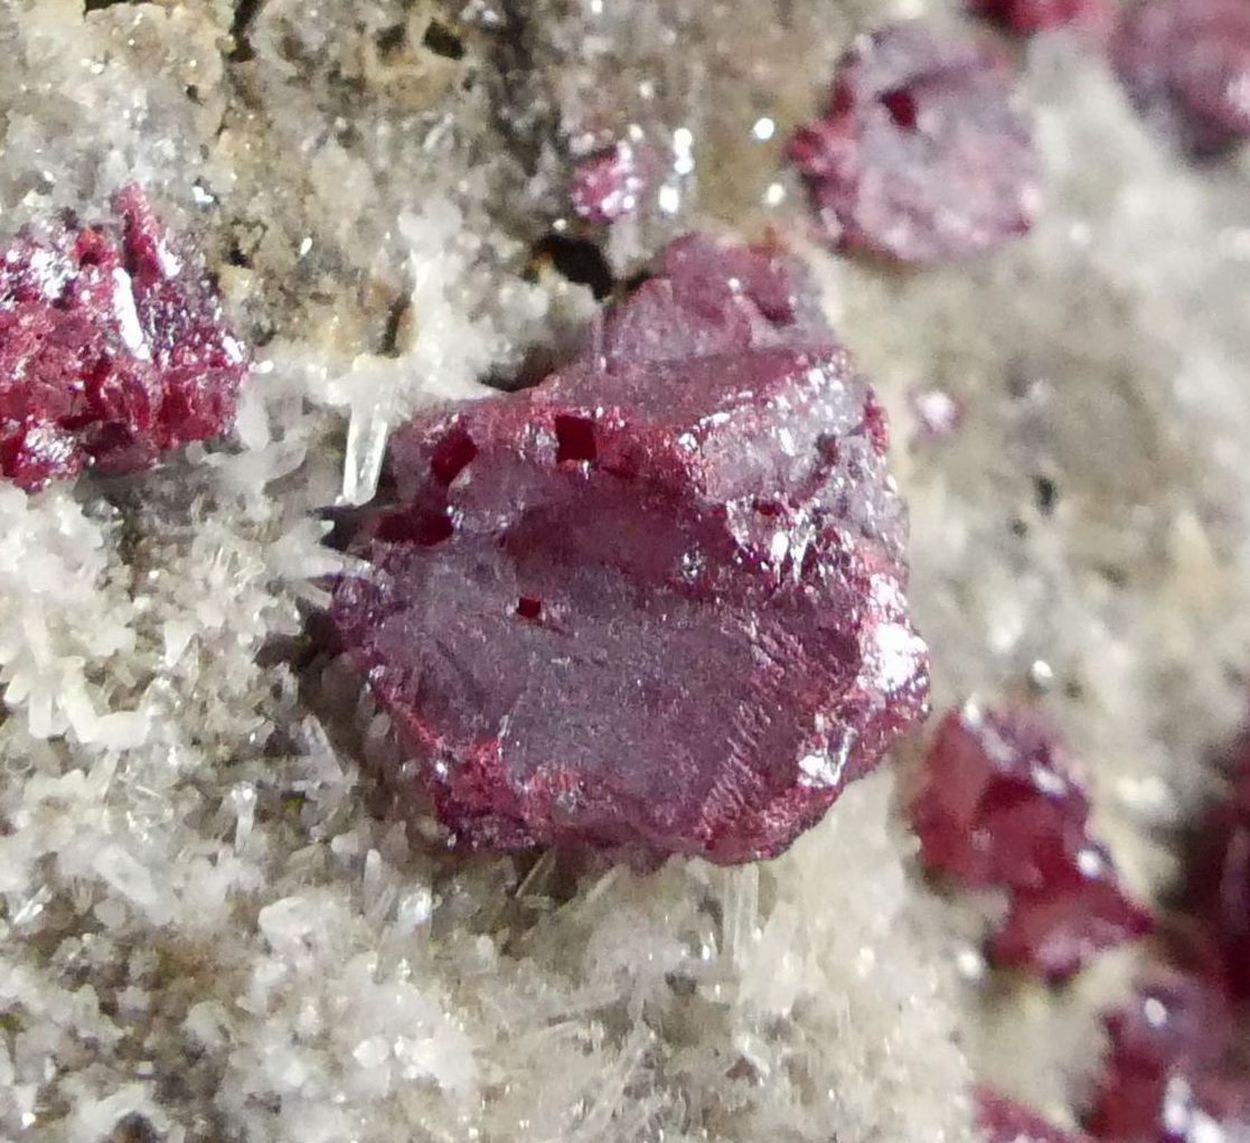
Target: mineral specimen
656,602
1178,1070
1002,1120
920,156
113,348
1186,65
1025,17
997,806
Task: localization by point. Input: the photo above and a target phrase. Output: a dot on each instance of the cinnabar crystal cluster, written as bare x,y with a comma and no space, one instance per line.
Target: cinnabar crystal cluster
113,348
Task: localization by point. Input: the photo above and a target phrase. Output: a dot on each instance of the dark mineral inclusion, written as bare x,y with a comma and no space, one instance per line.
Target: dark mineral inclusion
656,603
113,348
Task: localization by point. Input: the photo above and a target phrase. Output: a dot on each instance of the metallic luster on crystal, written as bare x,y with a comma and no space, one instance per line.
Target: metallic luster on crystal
656,603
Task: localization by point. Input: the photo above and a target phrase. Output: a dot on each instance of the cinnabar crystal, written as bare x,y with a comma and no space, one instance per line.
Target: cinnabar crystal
1186,64
997,805
655,603
1003,1120
920,155
113,348
1026,17
1172,1073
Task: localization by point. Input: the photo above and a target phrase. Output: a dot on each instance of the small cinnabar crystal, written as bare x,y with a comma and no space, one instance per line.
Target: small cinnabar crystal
920,155
655,603
1177,1068
1003,1120
1172,1073
996,805
1186,65
1027,17
607,185
113,348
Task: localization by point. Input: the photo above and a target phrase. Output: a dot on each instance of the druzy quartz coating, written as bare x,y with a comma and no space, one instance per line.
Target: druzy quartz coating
997,806
655,603
113,348
920,155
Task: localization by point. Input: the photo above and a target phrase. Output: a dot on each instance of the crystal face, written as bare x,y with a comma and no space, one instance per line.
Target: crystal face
656,602
997,806
1186,64
113,348
920,155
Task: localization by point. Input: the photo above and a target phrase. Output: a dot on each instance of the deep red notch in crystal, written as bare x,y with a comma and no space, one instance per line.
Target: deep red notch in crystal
575,439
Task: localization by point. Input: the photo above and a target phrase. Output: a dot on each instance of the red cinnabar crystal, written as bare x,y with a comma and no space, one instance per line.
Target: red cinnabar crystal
997,806
656,602
1178,1065
1002,1120
1172,1074
1082,910
921,156
113,348
607,185
1025,17
1186,64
